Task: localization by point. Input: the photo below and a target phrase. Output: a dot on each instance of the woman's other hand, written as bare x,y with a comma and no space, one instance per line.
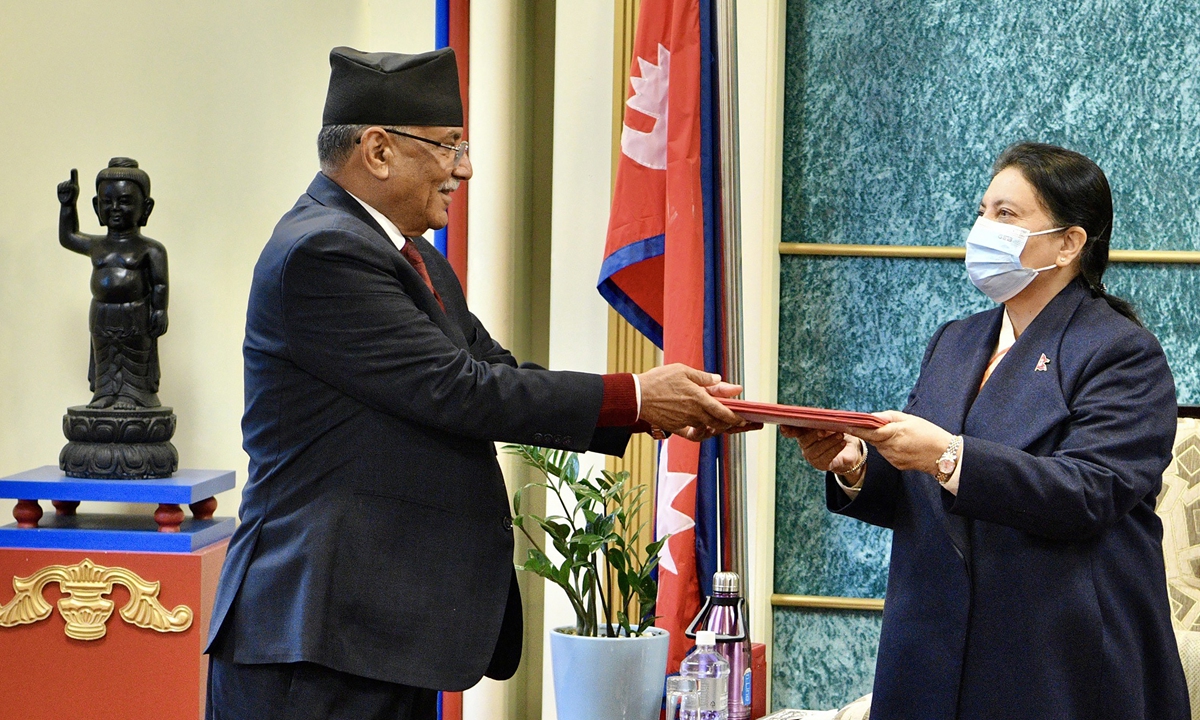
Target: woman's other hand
907,441
827,450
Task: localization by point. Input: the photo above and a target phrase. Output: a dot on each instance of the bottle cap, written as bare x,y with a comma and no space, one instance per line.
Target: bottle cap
705,637
728,583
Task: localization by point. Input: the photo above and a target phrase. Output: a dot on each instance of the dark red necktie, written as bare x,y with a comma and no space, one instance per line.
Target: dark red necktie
413,256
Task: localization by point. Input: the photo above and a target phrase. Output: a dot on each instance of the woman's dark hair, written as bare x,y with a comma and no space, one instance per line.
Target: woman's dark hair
1075,192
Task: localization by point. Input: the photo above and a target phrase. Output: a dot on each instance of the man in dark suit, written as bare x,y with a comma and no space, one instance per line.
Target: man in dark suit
373,565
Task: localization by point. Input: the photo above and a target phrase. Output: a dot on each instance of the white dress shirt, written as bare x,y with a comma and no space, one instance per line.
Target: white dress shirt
398,239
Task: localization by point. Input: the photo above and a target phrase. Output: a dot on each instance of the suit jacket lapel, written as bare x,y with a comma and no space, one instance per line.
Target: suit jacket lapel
328,193
437,269
1020,402
945,395
951,380
1023,400
332,195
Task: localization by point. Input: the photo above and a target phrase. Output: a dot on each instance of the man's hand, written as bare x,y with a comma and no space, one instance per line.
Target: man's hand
682,400
907,441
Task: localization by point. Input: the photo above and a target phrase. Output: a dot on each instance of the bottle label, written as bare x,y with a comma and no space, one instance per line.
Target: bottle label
714,694
747,688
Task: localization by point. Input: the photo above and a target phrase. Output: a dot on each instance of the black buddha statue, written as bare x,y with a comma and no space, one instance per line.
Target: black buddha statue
124,431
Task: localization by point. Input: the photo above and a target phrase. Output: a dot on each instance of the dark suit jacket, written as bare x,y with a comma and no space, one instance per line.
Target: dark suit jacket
1039,590
375,536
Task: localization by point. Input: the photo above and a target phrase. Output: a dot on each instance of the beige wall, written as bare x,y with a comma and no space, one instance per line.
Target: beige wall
220,102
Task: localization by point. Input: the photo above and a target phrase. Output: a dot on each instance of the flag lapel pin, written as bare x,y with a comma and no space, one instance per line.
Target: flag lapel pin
1043,361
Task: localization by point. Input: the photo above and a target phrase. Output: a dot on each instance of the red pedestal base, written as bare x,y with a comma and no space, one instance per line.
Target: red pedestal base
131,672
758,675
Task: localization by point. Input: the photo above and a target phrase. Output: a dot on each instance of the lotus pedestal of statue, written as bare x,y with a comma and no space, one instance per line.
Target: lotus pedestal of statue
125,444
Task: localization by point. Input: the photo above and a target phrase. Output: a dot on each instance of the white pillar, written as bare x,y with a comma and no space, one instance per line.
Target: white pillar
496,219
583,81
761,25
495,194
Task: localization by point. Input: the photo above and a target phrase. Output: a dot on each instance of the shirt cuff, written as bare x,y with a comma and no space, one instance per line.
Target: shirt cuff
850,490
619,406
637,386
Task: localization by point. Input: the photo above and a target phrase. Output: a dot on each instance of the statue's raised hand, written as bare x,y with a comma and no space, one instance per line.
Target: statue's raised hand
68,190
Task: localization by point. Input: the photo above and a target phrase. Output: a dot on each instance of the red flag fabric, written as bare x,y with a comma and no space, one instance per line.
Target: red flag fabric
654,267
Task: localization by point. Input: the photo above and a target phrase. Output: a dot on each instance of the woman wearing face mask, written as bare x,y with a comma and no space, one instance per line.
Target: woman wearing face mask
1026,576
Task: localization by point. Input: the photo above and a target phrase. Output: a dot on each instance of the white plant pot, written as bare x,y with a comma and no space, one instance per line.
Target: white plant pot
601,678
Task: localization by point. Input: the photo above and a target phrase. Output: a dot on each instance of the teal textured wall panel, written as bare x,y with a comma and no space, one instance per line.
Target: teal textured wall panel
1167,297
895,110
852,332
893,113
823,659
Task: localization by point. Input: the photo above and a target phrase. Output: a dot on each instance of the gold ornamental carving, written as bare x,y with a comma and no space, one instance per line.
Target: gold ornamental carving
83,604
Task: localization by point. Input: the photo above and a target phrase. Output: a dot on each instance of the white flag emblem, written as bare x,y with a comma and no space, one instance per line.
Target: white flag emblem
649,149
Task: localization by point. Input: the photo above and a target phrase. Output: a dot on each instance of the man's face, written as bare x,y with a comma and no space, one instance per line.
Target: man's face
426,175
119,204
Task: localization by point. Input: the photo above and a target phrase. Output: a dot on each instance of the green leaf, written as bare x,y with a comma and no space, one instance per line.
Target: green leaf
586,492
557,530
539,564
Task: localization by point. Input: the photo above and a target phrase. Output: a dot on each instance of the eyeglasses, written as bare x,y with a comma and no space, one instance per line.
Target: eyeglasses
459,149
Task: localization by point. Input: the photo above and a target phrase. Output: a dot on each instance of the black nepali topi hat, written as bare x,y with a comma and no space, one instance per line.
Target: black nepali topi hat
393,89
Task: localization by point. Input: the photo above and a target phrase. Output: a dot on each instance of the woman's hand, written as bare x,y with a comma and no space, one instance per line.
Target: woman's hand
907,441
826,450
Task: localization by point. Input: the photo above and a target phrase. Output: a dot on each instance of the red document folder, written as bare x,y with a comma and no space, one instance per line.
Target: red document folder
798,416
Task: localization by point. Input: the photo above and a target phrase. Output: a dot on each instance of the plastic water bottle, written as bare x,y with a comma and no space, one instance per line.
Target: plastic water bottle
712,675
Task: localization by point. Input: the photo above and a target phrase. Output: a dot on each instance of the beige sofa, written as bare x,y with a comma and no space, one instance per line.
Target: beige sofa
1179,508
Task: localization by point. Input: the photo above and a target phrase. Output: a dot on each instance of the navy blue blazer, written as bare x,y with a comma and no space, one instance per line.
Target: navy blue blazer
375,534
1039,590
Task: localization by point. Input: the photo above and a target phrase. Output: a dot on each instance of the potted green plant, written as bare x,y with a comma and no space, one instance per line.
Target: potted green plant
612,663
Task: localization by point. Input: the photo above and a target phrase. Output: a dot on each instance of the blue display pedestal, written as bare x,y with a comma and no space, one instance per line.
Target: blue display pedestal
166,531
70,571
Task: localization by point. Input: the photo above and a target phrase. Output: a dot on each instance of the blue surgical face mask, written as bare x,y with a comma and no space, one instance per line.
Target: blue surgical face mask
994,258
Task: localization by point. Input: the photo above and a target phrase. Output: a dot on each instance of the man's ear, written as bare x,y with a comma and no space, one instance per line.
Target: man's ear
147,208
96,207
375,151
